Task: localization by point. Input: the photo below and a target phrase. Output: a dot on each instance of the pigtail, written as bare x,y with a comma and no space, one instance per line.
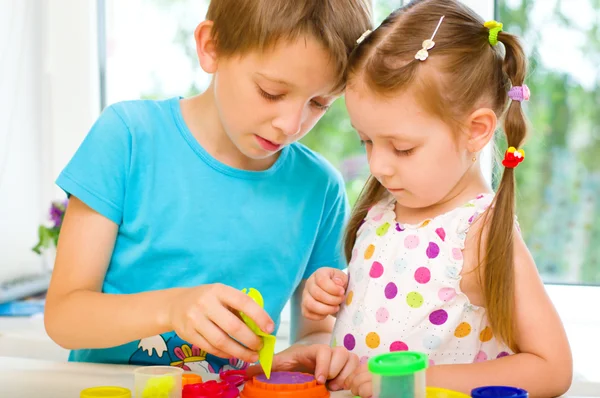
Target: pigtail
372,193
499,279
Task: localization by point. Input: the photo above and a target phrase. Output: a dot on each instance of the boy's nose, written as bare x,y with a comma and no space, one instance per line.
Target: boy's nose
290,122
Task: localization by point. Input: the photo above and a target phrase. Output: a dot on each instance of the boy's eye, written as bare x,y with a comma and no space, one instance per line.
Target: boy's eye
268,96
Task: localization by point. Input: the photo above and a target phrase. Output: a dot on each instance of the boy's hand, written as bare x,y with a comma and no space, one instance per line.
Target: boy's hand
207,316
327,364
324,293
360,382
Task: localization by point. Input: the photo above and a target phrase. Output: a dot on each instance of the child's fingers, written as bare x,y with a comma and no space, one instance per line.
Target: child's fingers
312,307
322,362
320,295
331,281
361,384
343,364
221,341
237,300
196,339
350,379
234,327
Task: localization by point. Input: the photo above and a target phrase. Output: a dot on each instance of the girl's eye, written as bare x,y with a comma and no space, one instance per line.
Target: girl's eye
319,105
405,152
365,142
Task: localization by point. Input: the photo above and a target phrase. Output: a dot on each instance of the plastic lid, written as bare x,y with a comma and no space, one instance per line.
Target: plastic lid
499,391
434,392
398,363
256,388
105,392
210,389
190,378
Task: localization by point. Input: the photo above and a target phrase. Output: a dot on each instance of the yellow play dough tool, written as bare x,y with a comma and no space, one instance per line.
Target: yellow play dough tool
265,354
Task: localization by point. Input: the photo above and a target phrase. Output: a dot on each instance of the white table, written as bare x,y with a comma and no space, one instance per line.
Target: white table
34,378
30,364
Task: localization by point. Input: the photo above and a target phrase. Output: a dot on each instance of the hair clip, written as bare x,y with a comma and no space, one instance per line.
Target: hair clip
495,28
428,44
513,157
519,93
364,36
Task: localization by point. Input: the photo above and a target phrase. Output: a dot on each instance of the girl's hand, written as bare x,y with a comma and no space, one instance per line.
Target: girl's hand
332,365
324,293
208,317
360,382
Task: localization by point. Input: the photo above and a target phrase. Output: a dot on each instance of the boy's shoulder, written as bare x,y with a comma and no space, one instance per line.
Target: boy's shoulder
133,112
312,164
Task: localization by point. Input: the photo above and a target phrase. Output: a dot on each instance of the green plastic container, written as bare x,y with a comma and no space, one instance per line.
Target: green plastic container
399,374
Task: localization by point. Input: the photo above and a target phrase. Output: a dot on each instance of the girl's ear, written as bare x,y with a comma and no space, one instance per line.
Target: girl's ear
481,127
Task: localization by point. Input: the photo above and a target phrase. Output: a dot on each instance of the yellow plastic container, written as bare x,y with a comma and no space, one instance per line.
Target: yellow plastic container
434,392
105,392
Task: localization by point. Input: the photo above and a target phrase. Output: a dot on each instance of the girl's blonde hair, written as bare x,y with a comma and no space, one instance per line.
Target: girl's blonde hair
463,71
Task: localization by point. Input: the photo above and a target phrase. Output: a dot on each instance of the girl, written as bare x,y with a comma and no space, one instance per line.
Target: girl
437,263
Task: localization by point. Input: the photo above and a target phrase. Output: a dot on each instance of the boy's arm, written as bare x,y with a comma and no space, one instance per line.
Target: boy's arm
77,314
544,365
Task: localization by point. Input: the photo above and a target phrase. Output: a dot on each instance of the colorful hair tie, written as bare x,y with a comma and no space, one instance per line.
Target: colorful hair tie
519,93
364,36
428,44
495,28
513,157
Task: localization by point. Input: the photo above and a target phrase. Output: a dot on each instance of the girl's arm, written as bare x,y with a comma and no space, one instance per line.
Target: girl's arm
78,315
306,331
544,366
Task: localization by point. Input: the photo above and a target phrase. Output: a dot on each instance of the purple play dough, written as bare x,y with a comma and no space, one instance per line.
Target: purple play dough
286,378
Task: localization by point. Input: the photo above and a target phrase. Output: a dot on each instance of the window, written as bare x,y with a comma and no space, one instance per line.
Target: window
560,180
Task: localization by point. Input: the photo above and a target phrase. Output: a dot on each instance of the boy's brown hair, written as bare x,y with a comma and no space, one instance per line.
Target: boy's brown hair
241,26
463,72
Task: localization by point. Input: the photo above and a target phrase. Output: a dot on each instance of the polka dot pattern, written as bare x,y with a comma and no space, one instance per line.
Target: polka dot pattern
486,335
398,346
382,315
446,294
462,330
405,292
433,250
422,275
376,270
349,342
411,242
391,291
381,231
349,297
414,299
372,340
369,252
438,317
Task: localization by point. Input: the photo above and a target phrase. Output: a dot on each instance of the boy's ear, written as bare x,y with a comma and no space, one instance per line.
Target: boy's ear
206,47
481,129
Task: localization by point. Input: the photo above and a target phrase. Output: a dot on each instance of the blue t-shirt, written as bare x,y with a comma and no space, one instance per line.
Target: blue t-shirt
186,219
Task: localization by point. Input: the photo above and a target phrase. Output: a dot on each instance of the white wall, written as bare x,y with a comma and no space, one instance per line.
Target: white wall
48,100
20,147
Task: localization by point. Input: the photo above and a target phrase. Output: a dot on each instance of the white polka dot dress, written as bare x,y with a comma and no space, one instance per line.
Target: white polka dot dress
404,290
